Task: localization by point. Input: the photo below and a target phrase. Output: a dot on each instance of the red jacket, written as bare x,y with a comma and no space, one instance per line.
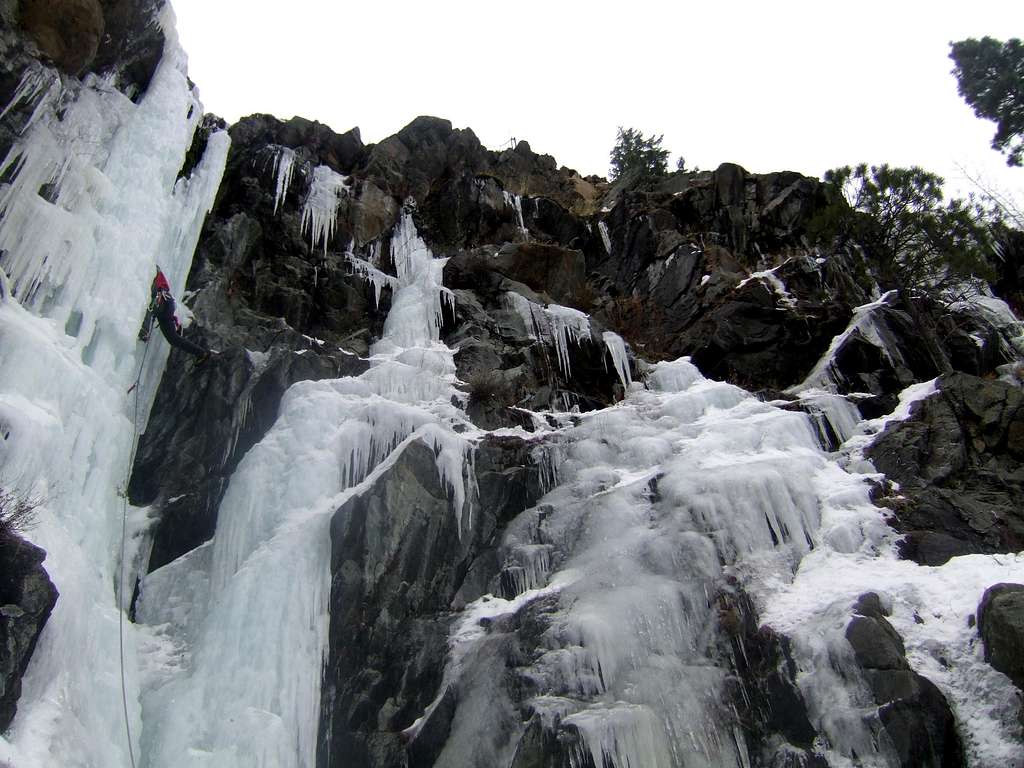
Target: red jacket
159,284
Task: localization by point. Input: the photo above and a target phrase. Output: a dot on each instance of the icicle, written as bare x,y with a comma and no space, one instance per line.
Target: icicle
37,80
284,165
378,279
604,237
554,324
516,201
319,212
374,255
623,736
620,357
568,326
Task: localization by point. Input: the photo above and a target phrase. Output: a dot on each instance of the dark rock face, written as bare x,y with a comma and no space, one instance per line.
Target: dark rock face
682,257
102,36
861,365
958,460
68,31
749,341
400,563
132,43
913,712
1009,282
778,727
1001,626
518,367
27,597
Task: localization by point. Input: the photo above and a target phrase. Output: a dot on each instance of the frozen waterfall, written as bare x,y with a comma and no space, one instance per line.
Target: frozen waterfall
655,508
660,502
79,263
242,621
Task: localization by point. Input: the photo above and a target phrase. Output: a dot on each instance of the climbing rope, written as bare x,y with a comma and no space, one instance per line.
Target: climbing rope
124,552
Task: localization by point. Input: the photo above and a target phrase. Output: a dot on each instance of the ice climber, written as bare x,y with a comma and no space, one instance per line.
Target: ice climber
162,307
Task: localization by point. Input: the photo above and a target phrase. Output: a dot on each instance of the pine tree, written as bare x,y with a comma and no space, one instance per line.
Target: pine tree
637,154
915,240
916,243
990,78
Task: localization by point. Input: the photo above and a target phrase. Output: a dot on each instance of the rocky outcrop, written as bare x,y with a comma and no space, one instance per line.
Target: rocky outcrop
913,712
717,265
27,596
507,365
68,31
428,154
402,560
1001,626
959,462
752,339
120,37
881,356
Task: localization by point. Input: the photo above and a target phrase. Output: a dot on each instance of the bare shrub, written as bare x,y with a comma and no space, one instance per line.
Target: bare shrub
18,511
641,324
486,385
586,298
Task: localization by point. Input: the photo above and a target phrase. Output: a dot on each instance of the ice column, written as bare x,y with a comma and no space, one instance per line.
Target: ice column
284,165
80,258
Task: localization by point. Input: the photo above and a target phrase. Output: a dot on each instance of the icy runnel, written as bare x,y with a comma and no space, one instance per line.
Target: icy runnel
254,643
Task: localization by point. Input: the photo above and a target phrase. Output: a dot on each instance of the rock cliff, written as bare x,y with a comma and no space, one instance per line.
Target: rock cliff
558,293
717,265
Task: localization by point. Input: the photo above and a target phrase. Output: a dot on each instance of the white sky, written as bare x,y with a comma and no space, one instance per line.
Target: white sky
801,85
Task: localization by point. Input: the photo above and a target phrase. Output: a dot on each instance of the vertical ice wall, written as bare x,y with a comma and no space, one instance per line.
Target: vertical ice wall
240,624
90,203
